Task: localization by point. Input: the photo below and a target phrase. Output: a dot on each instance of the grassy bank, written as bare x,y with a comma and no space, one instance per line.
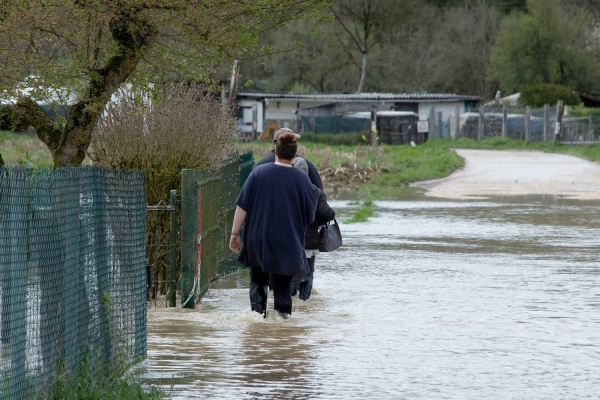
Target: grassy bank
24,149
373,171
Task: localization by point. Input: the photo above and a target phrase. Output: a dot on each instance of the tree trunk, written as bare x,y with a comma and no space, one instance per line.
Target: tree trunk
363,73
68,147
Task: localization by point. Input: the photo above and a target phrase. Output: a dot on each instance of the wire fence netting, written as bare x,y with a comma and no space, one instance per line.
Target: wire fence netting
72,273
535,124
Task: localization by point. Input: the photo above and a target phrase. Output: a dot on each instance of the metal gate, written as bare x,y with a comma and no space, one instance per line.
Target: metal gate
161,253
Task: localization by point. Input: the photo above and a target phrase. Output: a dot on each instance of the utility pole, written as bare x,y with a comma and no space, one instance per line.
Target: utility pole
235,72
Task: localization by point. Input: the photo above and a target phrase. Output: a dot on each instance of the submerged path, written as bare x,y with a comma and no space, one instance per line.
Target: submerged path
515,173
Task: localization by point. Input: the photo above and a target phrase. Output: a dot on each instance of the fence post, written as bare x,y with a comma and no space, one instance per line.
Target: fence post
590,131
374,126
432,127
557,127
527,122
480,127
172,250
189,236
504,120
440,125
546,121
457,118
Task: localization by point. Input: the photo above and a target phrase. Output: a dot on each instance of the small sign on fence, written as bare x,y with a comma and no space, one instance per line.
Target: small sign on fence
557,128
423,126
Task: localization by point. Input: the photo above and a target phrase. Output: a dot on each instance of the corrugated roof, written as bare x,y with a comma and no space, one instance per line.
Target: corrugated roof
361,96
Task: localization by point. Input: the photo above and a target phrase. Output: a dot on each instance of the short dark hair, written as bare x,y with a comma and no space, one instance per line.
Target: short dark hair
286,146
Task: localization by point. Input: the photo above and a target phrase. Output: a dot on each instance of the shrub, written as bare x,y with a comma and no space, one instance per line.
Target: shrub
182,128
548,93
583,111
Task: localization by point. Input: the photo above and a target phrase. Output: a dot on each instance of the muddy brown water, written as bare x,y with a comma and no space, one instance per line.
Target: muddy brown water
429,299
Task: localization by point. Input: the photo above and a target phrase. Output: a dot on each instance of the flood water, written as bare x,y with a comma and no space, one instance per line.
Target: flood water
429,299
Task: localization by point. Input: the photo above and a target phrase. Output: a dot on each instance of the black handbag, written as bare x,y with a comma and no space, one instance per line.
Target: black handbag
330,237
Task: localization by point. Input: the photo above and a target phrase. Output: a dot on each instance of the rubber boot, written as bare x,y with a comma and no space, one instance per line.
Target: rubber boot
295,284
282,298
258,297
306,283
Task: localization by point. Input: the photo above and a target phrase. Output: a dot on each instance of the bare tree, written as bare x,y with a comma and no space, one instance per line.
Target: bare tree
461,46
357,23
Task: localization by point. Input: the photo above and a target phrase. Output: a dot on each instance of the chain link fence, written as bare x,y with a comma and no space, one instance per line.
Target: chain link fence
72,274
533,124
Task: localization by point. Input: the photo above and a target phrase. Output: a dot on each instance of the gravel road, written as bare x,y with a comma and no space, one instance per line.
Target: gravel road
515,173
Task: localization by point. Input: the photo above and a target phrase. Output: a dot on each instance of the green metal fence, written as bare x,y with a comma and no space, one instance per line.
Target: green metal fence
207,208
72,273
161,253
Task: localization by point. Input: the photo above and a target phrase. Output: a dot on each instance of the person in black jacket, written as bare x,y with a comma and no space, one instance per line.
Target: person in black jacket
324,214
313,175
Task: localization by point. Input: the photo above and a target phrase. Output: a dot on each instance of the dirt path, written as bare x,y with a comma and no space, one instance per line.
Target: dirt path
493,173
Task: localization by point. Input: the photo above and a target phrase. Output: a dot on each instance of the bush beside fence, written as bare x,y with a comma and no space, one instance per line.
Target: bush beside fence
72,274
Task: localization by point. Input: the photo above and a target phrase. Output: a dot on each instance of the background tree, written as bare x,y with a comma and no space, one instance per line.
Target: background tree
461,47
548,44
359,26
94,46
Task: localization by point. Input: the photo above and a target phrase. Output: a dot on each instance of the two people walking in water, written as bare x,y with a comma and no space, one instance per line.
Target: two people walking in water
276,206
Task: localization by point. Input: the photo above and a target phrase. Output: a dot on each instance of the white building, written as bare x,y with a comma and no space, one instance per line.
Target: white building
257,110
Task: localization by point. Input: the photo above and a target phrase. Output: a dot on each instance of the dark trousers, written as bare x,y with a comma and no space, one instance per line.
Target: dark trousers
259,288
303,284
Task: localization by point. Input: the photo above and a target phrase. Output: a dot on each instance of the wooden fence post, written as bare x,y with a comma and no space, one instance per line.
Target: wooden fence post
457,119
432,127
440,125
374,126
560,107
481,122
546,122
504,120
527,122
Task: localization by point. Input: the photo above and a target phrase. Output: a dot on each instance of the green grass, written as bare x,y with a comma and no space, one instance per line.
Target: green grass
588,152
363,213
96,381
397,166
406,164
24,149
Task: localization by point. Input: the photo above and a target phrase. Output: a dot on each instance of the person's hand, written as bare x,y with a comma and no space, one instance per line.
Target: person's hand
235,244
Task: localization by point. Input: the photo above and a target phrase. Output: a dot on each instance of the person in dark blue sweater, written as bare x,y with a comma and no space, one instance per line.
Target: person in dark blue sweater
275,205
313,175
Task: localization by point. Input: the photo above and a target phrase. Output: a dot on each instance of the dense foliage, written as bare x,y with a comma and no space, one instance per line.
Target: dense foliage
452,46
548,93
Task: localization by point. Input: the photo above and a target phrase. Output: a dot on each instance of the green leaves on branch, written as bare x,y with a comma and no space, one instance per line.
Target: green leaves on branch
548,44
548,93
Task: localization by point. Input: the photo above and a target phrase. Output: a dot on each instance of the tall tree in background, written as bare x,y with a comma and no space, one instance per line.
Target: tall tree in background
461,47
94,46
359,26
548,44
